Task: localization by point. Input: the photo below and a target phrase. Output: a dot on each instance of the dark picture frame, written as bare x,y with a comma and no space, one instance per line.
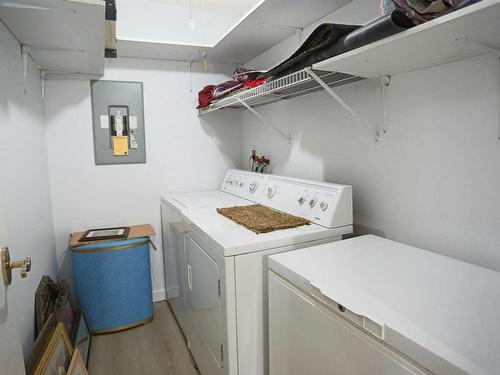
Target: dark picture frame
99,234
81,338
45,300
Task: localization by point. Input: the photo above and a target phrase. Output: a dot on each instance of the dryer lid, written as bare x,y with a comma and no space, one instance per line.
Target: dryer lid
205,199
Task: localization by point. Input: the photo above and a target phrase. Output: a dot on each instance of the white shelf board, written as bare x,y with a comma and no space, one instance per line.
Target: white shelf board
66,36
453,37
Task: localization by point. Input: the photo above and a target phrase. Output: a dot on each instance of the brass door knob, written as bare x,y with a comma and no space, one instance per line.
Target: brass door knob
8,265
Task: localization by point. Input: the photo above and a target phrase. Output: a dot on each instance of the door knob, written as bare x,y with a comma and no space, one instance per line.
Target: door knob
8,265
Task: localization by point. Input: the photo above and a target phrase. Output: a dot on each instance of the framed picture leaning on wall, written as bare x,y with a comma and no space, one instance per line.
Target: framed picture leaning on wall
40,344
57,354
81,337
77,366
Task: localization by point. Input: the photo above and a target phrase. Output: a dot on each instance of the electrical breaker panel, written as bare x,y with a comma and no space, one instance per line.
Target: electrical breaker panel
118,122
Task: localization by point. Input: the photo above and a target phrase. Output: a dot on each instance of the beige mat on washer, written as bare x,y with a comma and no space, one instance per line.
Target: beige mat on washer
261,219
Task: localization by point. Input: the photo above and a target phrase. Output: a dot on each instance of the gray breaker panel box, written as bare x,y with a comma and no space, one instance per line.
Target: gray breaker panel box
107,96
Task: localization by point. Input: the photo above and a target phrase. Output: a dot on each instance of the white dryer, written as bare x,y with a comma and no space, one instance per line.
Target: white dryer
216,270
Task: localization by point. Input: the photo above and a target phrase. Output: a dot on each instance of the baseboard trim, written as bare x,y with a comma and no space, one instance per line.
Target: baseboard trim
159,295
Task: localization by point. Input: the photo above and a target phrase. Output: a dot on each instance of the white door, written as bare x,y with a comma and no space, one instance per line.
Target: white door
11,355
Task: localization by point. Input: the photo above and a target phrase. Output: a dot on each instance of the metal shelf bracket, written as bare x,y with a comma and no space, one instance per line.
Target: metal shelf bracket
496,51
385,81
25,50
263,120
43,74
341,101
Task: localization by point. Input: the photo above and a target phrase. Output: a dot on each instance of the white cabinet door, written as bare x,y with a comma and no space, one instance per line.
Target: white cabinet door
306,338
203,298
11,355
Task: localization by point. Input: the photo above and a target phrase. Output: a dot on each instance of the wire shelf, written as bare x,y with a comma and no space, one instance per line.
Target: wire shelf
290,86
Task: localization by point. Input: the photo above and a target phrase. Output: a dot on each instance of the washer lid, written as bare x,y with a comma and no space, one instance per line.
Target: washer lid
441,312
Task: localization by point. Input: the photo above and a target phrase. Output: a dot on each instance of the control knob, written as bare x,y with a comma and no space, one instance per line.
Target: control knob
301,200
312,203
252,187
271,190
323,206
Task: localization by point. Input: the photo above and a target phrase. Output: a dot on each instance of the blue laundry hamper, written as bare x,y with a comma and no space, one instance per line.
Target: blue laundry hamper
113,284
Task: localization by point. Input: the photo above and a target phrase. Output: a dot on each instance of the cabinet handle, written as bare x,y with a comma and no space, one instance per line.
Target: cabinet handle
190,277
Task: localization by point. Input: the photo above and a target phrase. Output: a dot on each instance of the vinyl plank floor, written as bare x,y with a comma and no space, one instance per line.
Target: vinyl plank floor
157,348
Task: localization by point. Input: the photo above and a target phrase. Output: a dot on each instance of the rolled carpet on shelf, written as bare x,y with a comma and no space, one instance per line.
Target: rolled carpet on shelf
330,39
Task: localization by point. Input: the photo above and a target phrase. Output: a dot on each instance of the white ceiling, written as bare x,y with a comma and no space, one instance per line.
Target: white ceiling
245,41
183,22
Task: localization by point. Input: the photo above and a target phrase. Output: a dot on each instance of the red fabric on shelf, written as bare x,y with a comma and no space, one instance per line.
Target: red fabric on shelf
254,82
211,92
205,96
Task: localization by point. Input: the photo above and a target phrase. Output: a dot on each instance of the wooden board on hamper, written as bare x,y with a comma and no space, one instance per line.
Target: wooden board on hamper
158,348
136,231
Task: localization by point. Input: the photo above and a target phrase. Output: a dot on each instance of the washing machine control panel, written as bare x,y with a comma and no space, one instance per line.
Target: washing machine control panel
327,204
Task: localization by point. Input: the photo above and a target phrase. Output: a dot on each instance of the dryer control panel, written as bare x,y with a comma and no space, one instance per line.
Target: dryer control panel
326,204
243,184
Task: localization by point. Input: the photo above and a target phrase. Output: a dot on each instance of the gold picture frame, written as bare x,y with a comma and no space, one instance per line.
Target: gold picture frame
77,366
57,354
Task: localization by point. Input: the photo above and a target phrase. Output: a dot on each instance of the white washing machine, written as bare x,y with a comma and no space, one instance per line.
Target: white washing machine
216,270
370,306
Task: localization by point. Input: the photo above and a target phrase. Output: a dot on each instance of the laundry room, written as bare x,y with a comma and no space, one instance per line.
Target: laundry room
249,187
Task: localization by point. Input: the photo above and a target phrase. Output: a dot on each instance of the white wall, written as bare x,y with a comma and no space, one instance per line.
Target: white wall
24,190
433,179
183,154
